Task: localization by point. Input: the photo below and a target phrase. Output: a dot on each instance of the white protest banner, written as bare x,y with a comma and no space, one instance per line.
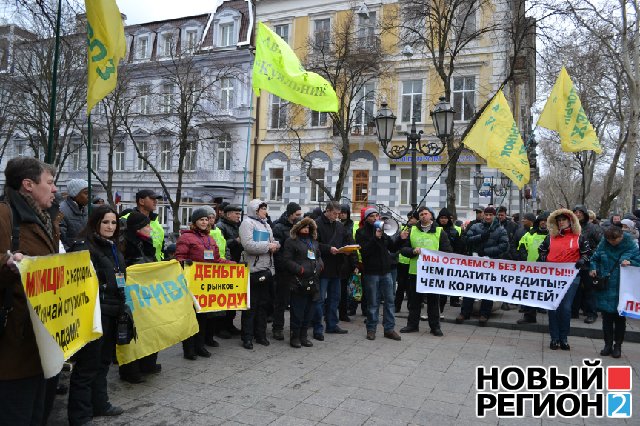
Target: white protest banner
541,285
629,296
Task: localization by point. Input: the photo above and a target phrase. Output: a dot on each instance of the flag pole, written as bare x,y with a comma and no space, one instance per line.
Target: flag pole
54,88
89,143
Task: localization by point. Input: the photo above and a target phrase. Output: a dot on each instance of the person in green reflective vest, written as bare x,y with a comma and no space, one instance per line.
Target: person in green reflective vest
425,234
403,266
528,250
146,203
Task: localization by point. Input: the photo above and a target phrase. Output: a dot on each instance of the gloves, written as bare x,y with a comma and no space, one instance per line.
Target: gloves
188,262
580,264
301,273
485,236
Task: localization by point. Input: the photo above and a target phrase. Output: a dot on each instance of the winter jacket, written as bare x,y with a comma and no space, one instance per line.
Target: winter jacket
255,237
511,227
231,232
488,239
74,220
295,259
137,249
157,232
604,260
281,229
453,232
407,247
514,244
192,244
19,356
589,231
332,234
567,245
374,251
351,261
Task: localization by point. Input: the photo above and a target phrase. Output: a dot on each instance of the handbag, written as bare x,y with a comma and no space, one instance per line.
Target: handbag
305,285
355,287
600,282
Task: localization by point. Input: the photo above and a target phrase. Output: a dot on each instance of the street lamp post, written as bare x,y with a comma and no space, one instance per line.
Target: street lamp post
494,188
442,116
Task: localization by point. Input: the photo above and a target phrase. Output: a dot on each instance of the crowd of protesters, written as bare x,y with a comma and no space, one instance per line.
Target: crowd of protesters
300,262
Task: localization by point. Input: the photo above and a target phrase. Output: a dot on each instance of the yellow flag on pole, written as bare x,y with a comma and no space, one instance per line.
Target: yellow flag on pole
278,70
105,46
496,138
563,113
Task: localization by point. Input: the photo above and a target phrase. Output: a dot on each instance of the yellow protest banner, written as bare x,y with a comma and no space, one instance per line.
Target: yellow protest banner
496,138
63,291
563,113
277,69
218,286
162,308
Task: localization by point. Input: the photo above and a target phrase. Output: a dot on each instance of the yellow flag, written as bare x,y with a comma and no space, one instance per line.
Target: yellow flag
496,138
106,45
277,69
563,113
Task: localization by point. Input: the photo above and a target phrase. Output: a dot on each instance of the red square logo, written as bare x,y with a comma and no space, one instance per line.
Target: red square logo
619,378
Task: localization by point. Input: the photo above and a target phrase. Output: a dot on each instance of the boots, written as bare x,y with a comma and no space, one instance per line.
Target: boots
188,349
608,342
304,340
617,350
295,339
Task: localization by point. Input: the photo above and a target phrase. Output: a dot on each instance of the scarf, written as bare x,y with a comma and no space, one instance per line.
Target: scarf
44,217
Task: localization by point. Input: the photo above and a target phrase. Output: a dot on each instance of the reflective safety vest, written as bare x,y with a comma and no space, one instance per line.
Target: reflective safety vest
459,229
427,240
355,229
216,234
157,236
403,259
531,242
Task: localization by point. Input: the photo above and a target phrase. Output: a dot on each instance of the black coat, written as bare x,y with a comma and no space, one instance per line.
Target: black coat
488,240
281,229
231,233
296,263
332,234
137,250
376,259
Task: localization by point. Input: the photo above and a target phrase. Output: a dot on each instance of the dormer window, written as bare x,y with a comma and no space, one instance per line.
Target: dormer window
226,35
226,28
191,37
168,44
142,47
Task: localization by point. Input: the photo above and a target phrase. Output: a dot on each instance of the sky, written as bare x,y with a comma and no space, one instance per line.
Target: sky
138,11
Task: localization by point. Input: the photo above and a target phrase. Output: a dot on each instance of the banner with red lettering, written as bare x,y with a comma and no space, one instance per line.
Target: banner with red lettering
629,296
537,284
219,286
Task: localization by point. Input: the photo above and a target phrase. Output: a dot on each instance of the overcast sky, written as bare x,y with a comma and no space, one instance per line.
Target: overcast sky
138,11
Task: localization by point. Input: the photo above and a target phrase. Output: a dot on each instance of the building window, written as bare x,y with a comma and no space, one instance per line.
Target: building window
317,194
192,39
165,156
412,101
185,215
162,214
21,150
363,110
224,153
143,99
95,156
464,98
360,188
276,183
167,98
142,47
321,34
278,112
144,151
226,35
464,23
168,44
318,119
226,94
190,157
367,31
118,157
463,186
405,186
76,157
282,31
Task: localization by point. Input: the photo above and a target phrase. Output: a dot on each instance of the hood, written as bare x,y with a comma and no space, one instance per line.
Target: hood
253,206
552,223
630,216
584,211
307,221
345,208
444,213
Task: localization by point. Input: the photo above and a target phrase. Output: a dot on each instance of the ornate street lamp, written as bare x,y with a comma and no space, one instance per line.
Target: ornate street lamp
443,122
494,188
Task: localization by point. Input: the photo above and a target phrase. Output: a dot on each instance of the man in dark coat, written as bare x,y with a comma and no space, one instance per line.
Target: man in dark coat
585,297
229,225
74,212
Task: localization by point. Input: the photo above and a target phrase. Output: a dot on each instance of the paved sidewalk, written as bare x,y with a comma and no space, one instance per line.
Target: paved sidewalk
345,380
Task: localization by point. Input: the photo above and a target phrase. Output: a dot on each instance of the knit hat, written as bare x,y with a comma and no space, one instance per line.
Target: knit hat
75,186
629,223
530,217
136,221
490,210
479,209
292,207
201,212
369,211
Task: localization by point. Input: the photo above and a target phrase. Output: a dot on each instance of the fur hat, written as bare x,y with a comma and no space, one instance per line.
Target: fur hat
552,222
75,186
307,221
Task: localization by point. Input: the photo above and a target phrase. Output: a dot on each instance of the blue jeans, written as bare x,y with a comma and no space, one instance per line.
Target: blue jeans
379,286
560,319
327,305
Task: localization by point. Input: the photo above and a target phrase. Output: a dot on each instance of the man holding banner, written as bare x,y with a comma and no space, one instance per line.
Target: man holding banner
424,234
28,227
484,239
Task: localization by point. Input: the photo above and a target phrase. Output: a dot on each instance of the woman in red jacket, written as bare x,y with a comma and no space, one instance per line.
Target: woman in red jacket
564,244
196,245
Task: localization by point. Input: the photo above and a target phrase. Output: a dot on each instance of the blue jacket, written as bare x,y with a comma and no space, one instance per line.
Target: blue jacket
603,261
494,244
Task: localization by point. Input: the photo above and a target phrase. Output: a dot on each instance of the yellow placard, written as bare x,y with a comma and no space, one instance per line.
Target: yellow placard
62,290
218,286
162,308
